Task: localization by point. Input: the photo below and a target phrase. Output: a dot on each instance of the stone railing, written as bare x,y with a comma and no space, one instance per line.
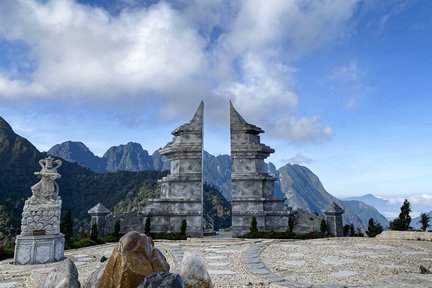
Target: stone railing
405,235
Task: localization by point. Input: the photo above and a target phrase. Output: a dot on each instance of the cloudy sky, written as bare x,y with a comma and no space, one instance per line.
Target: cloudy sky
341,86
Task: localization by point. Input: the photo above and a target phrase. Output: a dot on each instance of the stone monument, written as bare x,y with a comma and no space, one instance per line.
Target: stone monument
98,216
40,240
182,190
334,213
252,185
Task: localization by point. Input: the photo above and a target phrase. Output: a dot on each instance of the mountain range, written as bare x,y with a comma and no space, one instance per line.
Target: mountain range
298,184
80,187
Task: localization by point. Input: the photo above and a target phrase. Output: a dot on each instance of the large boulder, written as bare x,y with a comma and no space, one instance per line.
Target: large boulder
162,280
194,272
132,260
64,275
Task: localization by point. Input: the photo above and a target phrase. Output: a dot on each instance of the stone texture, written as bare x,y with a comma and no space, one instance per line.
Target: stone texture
162,280
194,272
334,219
40,240
182,190
94,279
252,185
65,275
133,258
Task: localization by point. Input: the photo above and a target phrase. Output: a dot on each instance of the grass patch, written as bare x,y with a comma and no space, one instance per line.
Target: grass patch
282,235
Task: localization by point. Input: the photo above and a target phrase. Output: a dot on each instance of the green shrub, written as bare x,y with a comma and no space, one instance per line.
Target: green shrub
282,235
290,225
183,227
323,226
168,236
254,225
84,242
147,226
111,238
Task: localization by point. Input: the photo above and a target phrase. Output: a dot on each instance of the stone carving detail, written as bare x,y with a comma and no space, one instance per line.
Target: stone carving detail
41,213
252,185
40,240
181,191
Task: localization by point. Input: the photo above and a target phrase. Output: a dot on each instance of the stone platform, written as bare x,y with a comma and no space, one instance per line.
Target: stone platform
332,262
39,249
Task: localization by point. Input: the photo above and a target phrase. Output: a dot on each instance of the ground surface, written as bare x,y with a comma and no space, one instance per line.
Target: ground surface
334,262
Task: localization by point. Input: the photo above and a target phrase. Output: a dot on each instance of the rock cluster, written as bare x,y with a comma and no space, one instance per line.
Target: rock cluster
132,260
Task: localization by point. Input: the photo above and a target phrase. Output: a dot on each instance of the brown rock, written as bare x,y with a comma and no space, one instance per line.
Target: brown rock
132,260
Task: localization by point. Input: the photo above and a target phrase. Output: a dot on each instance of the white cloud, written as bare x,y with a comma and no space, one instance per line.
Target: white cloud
298,159
86,51
302,129
174,54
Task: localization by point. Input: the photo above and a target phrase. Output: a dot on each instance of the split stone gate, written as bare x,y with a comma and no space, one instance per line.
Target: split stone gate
252,186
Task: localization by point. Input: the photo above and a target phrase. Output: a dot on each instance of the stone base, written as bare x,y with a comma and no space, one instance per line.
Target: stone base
39,249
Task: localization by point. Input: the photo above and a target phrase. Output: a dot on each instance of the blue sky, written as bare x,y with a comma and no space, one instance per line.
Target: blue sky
340,86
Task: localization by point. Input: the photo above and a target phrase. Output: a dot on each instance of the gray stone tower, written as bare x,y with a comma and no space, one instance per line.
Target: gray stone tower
98,216
182,190
334,219
252,185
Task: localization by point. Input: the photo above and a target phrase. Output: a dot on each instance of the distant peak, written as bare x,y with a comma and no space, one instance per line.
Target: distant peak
4,126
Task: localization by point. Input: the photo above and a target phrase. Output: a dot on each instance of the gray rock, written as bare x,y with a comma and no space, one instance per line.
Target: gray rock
162,280
424,270
103,259
64,275
94,279
194,272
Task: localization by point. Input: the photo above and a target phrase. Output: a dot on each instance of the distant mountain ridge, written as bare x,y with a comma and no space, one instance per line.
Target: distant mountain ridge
127,157
78,152
80,188
298,184
305,191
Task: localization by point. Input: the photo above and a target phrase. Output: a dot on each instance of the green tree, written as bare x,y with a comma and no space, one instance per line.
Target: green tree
424,221
66,226
323,226
183,227
147,226
403,221
254,225
352,230
346,230
117,229
374,228
94,235
290,225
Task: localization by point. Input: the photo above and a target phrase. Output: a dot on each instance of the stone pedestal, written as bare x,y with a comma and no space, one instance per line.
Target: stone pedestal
182,190
39,249
252,185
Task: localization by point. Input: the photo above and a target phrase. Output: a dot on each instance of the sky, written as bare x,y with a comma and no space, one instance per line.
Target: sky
340,86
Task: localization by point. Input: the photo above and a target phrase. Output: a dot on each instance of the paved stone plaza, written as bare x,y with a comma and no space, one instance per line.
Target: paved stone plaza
333,262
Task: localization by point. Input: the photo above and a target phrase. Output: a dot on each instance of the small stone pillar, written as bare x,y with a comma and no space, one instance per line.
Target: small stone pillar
99,213
334,219
40,240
